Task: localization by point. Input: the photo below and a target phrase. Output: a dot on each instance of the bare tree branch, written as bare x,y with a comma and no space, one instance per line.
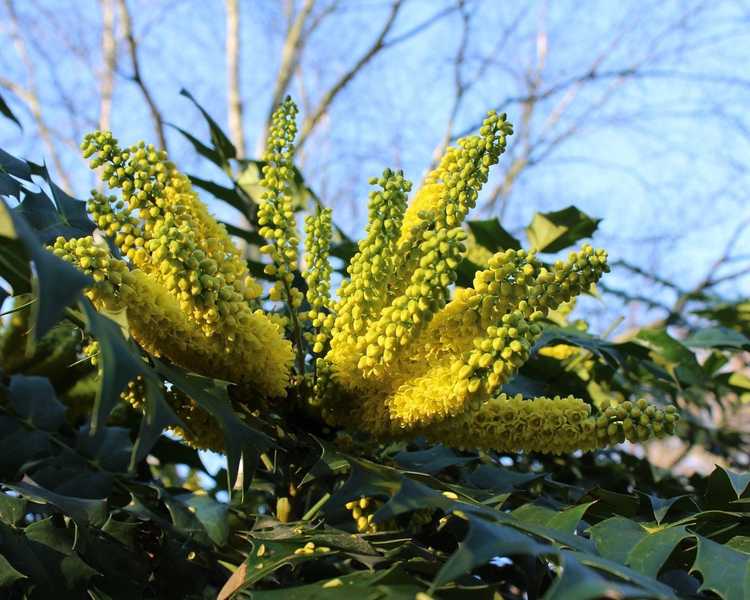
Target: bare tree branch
127,30
291,51
233,76
31,96
311,121
109,64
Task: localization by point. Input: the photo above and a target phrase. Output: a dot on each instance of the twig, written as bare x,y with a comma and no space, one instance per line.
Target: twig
328,98
234,96
31,96
137,78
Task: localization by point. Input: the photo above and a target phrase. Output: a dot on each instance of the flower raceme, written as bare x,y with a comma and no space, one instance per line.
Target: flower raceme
185,288
400,352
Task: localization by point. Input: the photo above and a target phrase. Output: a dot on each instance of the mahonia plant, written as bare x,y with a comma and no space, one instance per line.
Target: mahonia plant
400,352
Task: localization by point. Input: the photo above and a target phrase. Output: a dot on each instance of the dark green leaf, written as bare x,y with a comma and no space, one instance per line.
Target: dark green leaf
8,575
484,542
672,355
572,336
499,479
82,510
616,537
8,114
200,147
491,235
724,570
34,399
120,364
252,237
648,555
223,146
158,415
228,195
580,583
465,273
109,448
431,461
242,443
14,166
718,337
661,506
211,514
12,508
554,231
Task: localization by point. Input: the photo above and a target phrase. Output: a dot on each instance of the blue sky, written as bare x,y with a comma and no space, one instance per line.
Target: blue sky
663,160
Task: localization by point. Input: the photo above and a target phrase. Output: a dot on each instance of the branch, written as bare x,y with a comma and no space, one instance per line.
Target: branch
31,96
296,36
233,76
127,25
328,98
109,59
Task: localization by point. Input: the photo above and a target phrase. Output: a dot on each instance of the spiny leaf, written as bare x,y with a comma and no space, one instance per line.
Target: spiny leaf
158,415
57,283
211,514
616,537
223,146
554,231
431,461
242,443
649,555
724,570
718,337
34,399
672,354
82,510
120,364
491,235
485,541
8,114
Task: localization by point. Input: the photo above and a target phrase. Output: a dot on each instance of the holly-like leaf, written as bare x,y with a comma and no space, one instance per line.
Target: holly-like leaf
110,447
485,541
725,571
34,399
8,574
158,415
56,285
8,114
241,442
83,511
431,461
649,554
228,195
211,514
661,506
222,145
491,235
616,537
672,355
120,364
718,337
576,582
610,352
554,231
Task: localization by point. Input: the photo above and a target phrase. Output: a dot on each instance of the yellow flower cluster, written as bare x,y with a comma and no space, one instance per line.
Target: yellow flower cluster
317,275
363,512
164,229
400,352
404,357
276,213
185,287
552,425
